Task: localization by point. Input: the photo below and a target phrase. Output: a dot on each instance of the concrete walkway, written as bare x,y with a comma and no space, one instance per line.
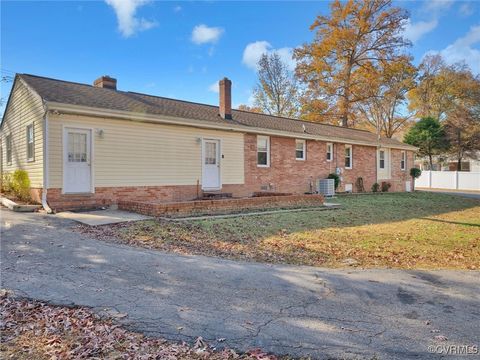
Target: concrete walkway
102,217
283,309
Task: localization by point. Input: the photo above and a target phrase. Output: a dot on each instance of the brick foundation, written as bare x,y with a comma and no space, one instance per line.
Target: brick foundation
221,206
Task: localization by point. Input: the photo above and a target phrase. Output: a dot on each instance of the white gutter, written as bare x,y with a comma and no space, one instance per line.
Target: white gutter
45,162
143,117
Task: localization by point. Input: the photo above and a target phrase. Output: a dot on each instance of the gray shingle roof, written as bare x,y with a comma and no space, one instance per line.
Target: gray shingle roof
86,95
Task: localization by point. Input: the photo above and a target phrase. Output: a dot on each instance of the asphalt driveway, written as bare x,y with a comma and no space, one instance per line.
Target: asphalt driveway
293,310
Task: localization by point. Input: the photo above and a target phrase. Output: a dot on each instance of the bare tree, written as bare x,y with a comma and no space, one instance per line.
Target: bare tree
386,108
276,92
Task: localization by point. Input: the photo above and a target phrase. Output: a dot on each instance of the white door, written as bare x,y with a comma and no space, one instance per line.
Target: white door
77,169
211,165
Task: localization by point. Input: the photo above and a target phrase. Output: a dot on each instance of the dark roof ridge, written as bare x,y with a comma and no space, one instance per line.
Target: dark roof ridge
203,104
303,121
65,81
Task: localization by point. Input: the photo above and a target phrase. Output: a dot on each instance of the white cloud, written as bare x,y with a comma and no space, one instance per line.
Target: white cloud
462,50
437,5
128,23
214,87
254,51
465,10
203,34
177,8
414,31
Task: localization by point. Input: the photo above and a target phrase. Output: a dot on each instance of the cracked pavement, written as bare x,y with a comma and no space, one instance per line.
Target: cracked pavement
295,310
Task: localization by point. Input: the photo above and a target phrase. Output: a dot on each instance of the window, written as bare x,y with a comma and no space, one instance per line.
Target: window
403,162
300,149
8,142
348,156
30,143
263,151
77,147
329,152
210,153
382,159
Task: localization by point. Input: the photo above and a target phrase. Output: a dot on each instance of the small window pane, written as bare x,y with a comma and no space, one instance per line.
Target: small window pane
262,158
262,144
382,159
9,148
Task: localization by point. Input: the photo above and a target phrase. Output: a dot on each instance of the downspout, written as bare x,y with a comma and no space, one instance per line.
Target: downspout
45,162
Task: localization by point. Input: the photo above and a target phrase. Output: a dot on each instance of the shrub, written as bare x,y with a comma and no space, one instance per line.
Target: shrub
375,187
7,183
336,178
415,172
386,186
21,184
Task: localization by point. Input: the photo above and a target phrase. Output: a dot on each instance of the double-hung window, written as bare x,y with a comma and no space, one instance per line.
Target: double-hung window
300,149
348,157
403,161
381,158
30,143
8,145
263,151
329,151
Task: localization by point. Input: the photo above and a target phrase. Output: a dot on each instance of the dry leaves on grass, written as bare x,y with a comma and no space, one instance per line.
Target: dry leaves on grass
35,330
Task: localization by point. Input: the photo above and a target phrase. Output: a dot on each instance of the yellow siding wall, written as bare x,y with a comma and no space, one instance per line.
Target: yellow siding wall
24,108
144,154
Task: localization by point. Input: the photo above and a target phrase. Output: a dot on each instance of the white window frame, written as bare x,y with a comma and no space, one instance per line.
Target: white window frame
350,157
329,151
8,149
403,161
304,149
380,159
268,151
32,157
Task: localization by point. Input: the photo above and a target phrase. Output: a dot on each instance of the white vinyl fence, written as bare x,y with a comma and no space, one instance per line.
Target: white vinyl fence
454,180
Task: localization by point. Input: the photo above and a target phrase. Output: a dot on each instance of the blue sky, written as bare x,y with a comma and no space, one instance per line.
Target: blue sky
182,49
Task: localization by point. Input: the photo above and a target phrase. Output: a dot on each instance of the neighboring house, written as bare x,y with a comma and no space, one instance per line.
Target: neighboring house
446,163
89,146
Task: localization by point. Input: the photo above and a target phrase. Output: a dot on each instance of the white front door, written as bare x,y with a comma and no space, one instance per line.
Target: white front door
211,165
77,169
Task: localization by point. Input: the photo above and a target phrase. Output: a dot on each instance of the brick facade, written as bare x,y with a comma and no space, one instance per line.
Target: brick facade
285,174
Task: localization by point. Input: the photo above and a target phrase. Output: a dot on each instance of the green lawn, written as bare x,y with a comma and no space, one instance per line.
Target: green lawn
405,230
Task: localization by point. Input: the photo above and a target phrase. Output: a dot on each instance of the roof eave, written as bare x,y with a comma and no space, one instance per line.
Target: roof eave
143,117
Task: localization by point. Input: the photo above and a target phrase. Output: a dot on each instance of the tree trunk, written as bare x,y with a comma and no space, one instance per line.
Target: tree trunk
459,164
431,161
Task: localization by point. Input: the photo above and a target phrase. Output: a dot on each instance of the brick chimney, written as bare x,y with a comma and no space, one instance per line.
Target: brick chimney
106,82
225,106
